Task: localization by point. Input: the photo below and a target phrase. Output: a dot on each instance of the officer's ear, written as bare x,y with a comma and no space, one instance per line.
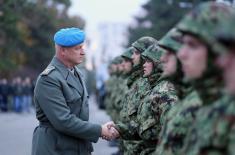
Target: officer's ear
61,50
64,51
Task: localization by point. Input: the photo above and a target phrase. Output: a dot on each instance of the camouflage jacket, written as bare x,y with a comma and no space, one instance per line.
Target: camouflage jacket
117,96
214,129
124,125
112,95
110,85
131,82
127,125
121,92
151,113
177,123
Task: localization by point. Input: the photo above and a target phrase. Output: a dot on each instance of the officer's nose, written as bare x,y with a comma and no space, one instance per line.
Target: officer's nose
182,54
133,56
82,51
145,64
163,58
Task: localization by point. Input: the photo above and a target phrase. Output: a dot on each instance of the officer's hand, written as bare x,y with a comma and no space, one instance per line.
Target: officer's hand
109,132
115,133
110,124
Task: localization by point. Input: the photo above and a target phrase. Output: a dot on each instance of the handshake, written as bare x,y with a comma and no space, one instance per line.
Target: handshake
109,132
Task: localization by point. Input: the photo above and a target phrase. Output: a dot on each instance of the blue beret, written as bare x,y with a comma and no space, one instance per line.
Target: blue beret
69,37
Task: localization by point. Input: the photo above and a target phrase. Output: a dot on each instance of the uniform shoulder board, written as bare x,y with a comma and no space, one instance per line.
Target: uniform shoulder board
48,70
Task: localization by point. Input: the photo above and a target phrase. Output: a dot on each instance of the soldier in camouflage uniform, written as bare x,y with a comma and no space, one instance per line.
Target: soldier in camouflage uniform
132,130
123,88
197,45
172,69
226,61
112,68
162,96
108,85
213,130
111,85
154,103
177,119
116,88
136,85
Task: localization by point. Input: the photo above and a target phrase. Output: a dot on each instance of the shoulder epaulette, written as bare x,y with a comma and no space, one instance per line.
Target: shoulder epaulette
48,70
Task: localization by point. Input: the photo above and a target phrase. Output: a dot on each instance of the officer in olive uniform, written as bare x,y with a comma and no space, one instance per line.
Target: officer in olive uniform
61,102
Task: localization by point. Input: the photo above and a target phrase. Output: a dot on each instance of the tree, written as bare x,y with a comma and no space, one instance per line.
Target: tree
27,29
162,15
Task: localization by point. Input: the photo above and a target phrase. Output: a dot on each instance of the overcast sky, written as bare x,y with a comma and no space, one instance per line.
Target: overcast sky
96,11
103,11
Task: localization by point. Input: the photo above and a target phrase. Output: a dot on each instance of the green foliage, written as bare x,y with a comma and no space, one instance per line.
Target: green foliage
67,3
162,15
26,32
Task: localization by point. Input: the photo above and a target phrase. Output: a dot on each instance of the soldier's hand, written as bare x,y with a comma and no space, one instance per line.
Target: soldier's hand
109,132
110,124
114,132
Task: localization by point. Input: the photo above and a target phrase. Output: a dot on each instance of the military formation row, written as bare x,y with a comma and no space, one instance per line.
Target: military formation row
176,96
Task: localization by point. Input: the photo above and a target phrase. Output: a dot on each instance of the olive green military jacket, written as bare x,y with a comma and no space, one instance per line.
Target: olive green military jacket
61,103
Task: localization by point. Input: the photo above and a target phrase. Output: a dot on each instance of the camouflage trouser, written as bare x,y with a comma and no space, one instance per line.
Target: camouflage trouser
121,146
133,147
149,147
147,151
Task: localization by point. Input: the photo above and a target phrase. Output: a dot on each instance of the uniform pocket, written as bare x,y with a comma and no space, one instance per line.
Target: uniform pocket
71,94
132,109
73,98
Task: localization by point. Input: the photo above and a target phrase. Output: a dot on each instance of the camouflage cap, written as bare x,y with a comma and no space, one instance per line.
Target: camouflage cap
128,53
117,60
113,61
143,43
171,40
204,20
225,33
153,53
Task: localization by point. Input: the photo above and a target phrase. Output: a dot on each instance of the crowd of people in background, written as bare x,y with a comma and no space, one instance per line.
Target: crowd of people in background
16,94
